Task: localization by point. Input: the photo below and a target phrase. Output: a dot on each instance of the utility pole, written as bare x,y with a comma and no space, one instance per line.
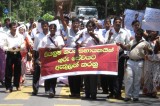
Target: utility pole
106,7
9,6
25,11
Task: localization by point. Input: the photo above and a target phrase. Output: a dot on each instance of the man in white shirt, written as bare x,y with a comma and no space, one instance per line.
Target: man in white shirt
72,35
54,42
114,35
13,44
90,37
137,51
36,74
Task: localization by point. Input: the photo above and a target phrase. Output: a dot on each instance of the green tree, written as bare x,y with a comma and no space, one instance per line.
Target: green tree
48,17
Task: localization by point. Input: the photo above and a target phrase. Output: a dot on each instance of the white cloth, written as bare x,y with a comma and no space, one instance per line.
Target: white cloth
2,39
34,32
46,42
87,40
72,37
120,37
37,40
132,78
14,41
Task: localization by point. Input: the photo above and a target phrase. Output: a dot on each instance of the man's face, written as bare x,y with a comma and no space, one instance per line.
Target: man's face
138,36
45,27
75,25
14,27
117,24
107,24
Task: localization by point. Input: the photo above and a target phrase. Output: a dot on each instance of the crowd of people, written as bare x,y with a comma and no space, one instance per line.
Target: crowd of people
138,63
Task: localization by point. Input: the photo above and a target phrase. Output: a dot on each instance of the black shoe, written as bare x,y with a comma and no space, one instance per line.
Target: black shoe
93,97
135,99
105,92
51,94
119,97
34,93
127,99
3,83
87,97
77,95
110,96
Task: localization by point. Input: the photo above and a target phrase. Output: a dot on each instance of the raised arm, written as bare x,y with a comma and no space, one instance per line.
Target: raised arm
60,9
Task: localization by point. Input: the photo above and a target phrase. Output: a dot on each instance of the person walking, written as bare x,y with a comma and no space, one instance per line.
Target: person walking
14,43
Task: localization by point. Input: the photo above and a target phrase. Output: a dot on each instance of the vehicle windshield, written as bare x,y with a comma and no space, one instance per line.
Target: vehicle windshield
88,11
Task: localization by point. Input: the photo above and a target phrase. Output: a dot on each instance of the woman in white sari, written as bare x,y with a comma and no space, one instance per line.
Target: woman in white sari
152,67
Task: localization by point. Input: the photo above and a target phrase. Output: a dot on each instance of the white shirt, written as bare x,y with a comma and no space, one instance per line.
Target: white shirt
47,43
138,51
34,32
87,40
37,40
72,37
14,41
5,29
120,37
3,36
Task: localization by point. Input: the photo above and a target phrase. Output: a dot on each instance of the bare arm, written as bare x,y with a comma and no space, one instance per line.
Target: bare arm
60,9
124,47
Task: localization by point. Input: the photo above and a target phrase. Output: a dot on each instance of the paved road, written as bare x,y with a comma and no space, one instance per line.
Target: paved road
24,98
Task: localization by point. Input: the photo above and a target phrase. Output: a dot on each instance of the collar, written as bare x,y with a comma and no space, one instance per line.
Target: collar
10,35
120,31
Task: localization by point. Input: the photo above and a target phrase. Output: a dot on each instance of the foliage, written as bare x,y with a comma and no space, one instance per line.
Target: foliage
48,17
22,10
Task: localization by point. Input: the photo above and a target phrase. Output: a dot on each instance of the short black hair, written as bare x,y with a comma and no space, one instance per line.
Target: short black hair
140,31
75,20
55,26
107,19
135,21
117,18
66,17
44,22
91,22
6,19
12,24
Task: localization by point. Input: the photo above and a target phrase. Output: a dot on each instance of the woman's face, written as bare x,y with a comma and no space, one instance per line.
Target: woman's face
21,30
34,25
136,26
90,27
52,29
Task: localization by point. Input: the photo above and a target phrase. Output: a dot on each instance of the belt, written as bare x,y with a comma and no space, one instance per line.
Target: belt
16,52
137,59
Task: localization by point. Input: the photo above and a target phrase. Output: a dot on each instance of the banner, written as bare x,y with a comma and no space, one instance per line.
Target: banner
102,59
151,19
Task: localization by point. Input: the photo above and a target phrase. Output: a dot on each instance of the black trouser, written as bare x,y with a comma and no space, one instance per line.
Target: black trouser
50,84
104,83
119,79
36,74
13,58
90,82
107,83
74,84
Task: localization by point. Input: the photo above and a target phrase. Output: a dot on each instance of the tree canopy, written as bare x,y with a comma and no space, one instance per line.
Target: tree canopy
22,10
